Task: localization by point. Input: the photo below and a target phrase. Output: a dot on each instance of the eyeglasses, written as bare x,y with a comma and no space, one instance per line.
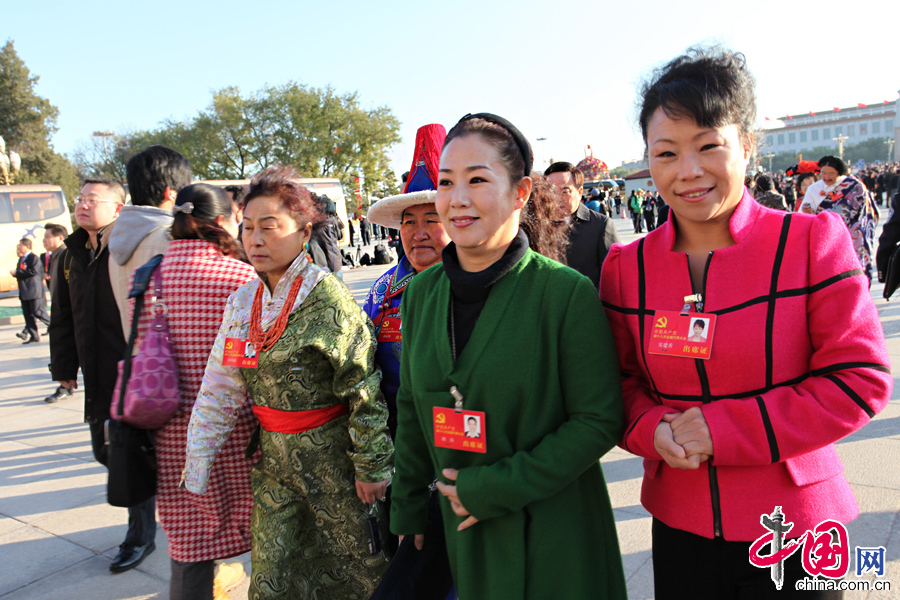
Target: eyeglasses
92,202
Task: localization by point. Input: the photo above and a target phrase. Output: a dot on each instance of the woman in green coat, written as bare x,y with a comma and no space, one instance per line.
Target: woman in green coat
509,390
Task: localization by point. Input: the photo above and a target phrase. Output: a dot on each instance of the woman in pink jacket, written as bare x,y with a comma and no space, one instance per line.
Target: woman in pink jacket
794,359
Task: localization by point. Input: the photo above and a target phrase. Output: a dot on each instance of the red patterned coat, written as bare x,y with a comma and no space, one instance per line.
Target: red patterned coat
196,283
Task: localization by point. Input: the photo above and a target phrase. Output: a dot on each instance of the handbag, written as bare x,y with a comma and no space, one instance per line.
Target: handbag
131,460
892,274
146,393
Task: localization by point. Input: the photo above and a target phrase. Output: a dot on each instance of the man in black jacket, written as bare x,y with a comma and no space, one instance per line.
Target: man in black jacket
591,234
30,278
86,332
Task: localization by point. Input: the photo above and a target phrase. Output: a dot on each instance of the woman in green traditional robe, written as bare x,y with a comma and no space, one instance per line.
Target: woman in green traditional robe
296,341
503,334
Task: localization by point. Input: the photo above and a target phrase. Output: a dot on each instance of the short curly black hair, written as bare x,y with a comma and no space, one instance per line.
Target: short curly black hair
711,85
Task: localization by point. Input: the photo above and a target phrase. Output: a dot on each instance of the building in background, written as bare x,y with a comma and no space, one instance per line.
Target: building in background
804,132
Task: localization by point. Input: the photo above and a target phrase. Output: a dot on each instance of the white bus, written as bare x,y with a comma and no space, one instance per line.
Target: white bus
24,210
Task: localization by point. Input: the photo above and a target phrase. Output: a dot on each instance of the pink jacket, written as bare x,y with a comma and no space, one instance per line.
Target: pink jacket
798,361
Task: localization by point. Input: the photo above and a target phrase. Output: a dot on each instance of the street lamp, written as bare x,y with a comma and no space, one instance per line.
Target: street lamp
840,140
9,165
543,156
104,135
890,145
770,156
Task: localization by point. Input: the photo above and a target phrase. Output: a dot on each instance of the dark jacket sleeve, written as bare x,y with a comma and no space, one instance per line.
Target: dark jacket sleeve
63,351
32,267
890,236
610,237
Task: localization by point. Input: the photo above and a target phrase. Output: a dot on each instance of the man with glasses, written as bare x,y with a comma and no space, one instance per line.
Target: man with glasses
86,332
155,177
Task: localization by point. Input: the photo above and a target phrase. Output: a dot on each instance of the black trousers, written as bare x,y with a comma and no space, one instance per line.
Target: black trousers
31,310
636,219
192,581
419,574
141,518
688,566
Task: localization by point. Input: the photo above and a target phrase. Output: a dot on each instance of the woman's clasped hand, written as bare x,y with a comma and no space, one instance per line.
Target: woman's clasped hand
683,439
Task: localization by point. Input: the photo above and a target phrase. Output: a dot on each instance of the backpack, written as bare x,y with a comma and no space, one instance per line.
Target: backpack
382,256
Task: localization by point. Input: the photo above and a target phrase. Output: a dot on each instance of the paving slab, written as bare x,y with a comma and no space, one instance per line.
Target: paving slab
30,555
91,580
94,525
28,502
873,461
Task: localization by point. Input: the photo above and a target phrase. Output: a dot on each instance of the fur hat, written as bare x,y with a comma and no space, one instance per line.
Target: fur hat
421,185
836,163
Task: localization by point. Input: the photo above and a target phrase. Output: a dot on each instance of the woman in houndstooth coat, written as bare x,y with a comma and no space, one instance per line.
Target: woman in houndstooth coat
199,272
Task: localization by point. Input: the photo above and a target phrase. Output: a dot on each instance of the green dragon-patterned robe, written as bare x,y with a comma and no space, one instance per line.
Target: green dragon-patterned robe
309,538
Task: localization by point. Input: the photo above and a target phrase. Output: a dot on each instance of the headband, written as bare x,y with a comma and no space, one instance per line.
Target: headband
521,142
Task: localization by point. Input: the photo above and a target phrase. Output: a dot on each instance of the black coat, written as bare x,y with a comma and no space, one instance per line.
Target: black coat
589,240
85,328
890,237
323,244
30,276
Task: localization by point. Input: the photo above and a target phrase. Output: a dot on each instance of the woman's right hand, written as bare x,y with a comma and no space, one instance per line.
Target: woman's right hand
419,540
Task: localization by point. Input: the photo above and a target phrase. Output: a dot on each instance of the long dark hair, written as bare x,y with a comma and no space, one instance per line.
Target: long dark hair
199,205
541,218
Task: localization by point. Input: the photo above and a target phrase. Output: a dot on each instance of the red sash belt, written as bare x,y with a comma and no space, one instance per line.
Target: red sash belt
297,421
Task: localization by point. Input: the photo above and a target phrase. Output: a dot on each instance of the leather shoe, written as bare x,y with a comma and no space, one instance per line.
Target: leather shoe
31,341
130,556
58,395
22,335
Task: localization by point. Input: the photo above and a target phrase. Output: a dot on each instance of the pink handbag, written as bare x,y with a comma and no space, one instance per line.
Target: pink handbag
150,396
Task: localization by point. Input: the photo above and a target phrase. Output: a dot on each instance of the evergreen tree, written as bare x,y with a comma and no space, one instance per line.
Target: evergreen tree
27,122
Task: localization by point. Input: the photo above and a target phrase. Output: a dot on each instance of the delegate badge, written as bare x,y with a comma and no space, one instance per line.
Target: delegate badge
239,352
390,328
682,334
459,430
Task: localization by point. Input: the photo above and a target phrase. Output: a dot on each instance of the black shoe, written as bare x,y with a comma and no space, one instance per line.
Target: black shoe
31,341
58,395
130,556
22,335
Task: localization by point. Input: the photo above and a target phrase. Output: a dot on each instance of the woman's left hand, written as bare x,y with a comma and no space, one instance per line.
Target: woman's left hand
450,492
370,492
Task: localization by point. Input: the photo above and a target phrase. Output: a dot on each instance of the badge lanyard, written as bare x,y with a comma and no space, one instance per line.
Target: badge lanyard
456,428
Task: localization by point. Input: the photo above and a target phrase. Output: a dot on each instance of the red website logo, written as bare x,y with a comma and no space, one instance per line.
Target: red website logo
826,548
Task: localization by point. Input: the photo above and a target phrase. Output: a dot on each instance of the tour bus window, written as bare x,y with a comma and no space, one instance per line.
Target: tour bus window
19,207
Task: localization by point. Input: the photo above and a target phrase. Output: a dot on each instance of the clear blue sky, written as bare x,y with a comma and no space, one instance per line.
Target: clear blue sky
564,70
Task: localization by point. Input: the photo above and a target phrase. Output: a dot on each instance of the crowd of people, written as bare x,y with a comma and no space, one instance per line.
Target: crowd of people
444,439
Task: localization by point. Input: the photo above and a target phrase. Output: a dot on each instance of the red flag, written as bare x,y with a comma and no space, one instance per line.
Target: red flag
790,118
860,105
886,102
836,109
812,113
768,119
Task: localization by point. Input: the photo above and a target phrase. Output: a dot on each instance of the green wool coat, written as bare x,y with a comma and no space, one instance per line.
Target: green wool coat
542,367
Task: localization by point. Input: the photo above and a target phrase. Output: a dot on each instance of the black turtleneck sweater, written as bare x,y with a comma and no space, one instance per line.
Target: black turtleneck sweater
470,291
